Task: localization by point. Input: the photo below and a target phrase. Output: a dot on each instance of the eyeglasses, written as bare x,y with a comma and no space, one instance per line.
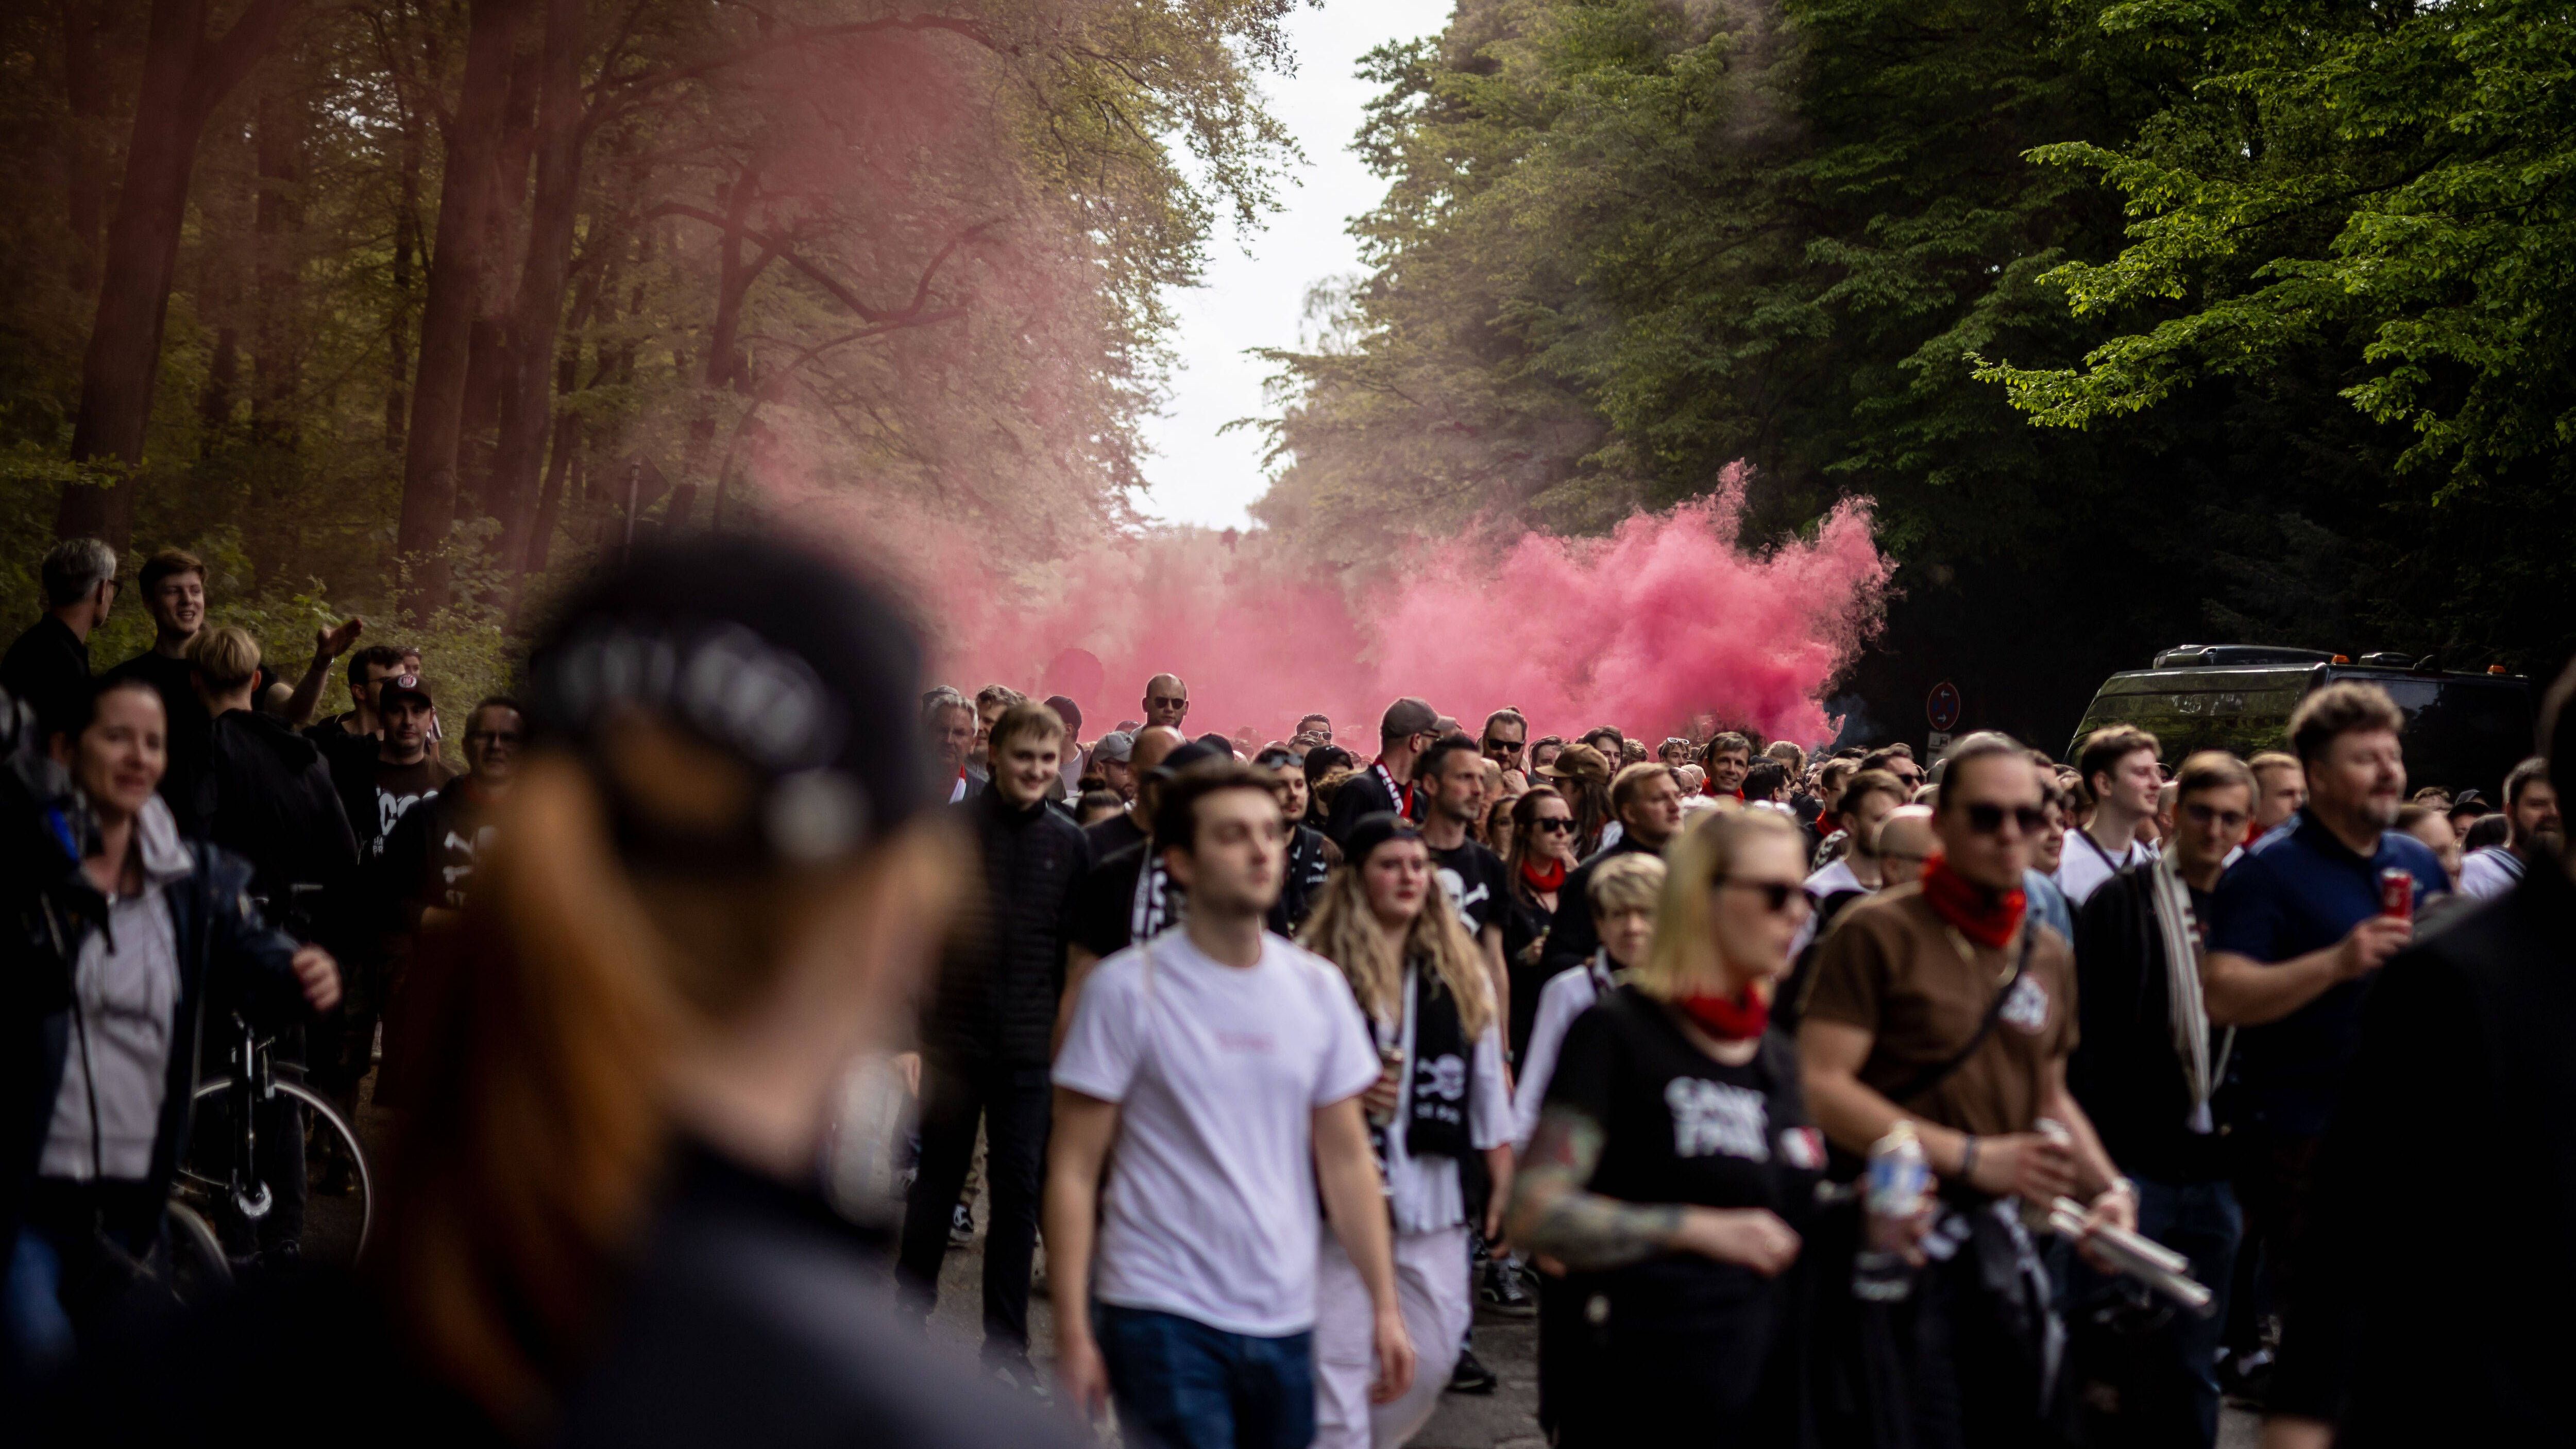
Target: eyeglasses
1989,819
1558,826
1776,894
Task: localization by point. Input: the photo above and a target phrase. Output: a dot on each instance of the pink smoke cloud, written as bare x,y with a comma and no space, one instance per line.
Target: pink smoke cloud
1663,623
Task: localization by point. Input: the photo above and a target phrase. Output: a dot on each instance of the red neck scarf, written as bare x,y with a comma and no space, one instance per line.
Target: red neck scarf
1546,880
1981,915
1740,1017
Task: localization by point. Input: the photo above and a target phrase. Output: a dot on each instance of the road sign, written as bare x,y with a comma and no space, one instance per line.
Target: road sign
1935,743
1943,706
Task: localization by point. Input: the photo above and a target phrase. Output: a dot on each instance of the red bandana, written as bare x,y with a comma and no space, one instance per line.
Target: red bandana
1981,915
1546,880
1740,1018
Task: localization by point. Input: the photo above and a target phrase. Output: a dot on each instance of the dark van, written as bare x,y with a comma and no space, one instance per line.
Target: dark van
2463,731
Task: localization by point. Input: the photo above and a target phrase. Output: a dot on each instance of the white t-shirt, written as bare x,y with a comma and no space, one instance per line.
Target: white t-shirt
2083,865
1567,995
1209,1211
1834,879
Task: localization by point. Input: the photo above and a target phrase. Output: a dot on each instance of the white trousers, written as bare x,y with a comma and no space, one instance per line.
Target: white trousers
1432,1289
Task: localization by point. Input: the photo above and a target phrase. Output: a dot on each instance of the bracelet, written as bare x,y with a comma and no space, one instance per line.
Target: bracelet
1967,1156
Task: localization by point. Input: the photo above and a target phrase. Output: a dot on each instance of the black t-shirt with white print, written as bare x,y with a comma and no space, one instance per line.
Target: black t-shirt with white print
1478,886
1681,1127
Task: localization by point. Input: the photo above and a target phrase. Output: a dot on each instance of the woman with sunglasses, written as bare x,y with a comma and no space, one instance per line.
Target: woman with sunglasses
1538,852
1674,1165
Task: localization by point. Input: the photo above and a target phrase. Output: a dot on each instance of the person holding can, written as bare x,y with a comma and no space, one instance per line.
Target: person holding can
2297,928
1675,1165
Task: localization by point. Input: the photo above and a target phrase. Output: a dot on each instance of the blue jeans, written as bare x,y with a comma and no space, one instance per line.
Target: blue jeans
2199,1220
35,1331
1183,1385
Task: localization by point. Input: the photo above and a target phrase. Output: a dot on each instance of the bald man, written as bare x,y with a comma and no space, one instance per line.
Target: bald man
1167,701
1905,841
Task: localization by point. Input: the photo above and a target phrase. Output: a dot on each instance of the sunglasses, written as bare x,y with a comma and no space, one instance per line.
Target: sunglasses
1989,819
1166,701
1553,827
1776,894
1502,747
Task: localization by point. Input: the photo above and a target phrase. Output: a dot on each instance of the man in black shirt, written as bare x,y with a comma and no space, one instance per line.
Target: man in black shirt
990,1033
1167,701
47,669
1385,786
1310,856
1649,805
173,586
2146,1065
407,770
1147,749
349,740
1451,778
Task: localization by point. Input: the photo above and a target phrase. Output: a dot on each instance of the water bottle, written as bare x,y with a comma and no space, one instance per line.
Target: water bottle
1891,1196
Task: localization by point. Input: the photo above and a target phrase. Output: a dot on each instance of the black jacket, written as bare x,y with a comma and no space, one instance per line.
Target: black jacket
998,988
1361,796
226,952
267,796
47,668
1571,936
2433,1307
2126,1070
1310,864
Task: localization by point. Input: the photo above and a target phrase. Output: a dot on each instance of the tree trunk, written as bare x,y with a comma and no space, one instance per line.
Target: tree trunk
185,75
85,94
537,313
456,271
398,316
281,130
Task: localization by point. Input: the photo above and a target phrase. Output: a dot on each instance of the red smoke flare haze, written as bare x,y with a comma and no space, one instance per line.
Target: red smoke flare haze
1664,622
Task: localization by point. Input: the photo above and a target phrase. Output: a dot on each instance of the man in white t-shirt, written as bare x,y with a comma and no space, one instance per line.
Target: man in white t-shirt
2118,763
1224,1066
1867,799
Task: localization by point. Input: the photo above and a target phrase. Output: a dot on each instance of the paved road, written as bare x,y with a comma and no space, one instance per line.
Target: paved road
1504,1419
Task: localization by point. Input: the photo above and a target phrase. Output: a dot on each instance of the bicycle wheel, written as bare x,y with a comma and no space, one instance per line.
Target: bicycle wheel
362,1195
198,1268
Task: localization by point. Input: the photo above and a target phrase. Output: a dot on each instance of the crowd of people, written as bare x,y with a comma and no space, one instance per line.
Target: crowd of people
1850,1098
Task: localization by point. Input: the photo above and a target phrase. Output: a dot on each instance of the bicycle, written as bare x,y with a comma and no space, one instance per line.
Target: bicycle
222,1181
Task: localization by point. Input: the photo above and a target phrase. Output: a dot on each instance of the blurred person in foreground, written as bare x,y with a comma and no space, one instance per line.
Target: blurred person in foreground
2438,1307
715,887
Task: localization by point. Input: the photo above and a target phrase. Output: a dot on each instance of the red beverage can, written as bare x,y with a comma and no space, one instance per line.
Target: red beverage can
2397,893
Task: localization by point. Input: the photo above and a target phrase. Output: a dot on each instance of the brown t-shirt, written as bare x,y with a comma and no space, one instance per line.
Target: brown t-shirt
1894,968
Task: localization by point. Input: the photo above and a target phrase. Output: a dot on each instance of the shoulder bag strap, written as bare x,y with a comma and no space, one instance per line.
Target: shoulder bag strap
1939,1072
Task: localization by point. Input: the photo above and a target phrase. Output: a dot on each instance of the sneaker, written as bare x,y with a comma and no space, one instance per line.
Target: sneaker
1471,1376
2246,1379
961,1227
1500,1290
1023,1378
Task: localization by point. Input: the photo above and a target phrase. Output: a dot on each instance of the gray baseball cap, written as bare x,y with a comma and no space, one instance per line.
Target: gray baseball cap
1408,716
1116,745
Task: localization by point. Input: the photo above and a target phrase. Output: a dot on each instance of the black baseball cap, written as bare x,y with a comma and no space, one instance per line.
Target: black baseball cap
782,658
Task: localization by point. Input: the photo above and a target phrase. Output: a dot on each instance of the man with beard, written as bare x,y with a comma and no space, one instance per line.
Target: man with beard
1110,759
1452,777
1144,752
2295,930
2531,828
1506,735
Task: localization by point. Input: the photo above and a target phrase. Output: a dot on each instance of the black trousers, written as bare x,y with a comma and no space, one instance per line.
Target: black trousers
1013,1104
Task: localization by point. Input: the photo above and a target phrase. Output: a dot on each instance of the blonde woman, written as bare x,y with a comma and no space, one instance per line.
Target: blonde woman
1420,980
1675,1162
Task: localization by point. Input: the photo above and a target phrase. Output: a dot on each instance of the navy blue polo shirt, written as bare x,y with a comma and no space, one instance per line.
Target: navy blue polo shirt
2300,889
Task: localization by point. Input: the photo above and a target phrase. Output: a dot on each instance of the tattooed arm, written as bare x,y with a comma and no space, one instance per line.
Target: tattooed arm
1554,1212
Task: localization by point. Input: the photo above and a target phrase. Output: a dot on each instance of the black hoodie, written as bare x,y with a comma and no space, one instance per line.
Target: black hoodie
267,796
